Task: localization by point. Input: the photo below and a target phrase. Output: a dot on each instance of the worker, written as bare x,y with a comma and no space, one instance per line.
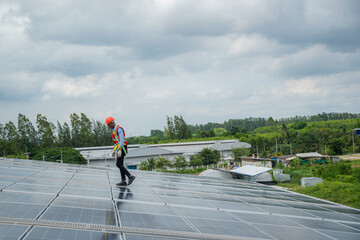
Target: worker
120,151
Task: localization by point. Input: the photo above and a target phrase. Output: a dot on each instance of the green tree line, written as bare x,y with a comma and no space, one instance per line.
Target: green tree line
331,134
16,139
326,133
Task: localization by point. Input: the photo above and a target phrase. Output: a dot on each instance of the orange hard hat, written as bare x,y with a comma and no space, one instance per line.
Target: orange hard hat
109,120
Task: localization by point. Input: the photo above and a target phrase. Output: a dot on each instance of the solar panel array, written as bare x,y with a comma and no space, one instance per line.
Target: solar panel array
42,200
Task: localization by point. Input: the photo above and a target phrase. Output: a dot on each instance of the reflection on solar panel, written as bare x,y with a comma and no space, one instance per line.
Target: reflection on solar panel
42,200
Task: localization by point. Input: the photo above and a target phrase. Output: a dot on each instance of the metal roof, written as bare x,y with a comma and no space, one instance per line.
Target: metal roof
250,170
310,154
44,200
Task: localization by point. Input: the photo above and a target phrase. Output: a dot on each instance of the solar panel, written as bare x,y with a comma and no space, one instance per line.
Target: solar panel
25,197
90,206
83,202
233,228
84,192
20,210
80,215
125,206
154,221
11,232
45,233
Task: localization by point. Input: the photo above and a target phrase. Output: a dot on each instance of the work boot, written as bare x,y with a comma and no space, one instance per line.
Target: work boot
131,179
121,184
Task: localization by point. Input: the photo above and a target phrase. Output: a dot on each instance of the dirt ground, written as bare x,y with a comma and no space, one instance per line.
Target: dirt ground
350,157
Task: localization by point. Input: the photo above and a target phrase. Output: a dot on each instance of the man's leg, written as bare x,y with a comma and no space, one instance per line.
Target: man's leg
120,165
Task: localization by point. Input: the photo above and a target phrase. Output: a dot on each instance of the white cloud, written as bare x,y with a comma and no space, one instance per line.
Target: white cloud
207,60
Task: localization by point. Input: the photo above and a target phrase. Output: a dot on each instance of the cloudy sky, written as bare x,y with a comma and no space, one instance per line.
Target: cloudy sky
209,61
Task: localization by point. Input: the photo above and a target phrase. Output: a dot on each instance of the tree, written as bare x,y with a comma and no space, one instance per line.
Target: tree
45,131
157,133
179,162
299,125
2,132
209,156
176,128
234,130
75,130
162,162
237,153
10,131
336,146
85,136
195,161
220,132
169,131
26,132
181,129
102,134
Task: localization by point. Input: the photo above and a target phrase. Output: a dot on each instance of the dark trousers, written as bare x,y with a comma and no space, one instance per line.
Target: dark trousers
120,164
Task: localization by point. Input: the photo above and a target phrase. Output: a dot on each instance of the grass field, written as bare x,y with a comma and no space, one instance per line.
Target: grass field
341,181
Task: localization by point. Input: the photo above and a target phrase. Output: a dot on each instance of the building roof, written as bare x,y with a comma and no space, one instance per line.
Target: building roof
308,155
148,151
250,170
256,159
143,150
44,200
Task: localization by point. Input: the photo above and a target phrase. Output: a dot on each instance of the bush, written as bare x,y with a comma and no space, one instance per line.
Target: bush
195,161
343,193
69,155
330,171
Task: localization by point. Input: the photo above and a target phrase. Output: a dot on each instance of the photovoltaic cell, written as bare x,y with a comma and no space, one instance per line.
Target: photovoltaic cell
145,237
264,219
19,210
83,202
34,188
127,194
201,213
154,221
342,235
321,224
11,232
80,215
21,197
286,233
144,208
44,233
232,228
81,192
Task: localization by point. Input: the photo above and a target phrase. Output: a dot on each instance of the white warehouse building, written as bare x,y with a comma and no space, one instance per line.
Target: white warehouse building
139,153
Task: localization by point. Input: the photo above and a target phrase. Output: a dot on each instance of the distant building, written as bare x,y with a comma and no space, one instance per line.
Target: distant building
142,152
259,162
306,157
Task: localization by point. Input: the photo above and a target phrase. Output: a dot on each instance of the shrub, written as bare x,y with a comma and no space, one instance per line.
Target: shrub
69,155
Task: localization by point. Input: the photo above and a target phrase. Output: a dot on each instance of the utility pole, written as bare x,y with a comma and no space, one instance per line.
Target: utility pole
257,151
276,145
43,156
88,158
290,149
61,158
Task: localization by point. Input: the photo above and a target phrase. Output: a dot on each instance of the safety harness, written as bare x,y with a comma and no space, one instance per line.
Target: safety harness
116,140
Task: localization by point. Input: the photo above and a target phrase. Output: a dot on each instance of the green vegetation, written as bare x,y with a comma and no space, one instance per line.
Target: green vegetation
341,181
68,155
206,156
326,133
